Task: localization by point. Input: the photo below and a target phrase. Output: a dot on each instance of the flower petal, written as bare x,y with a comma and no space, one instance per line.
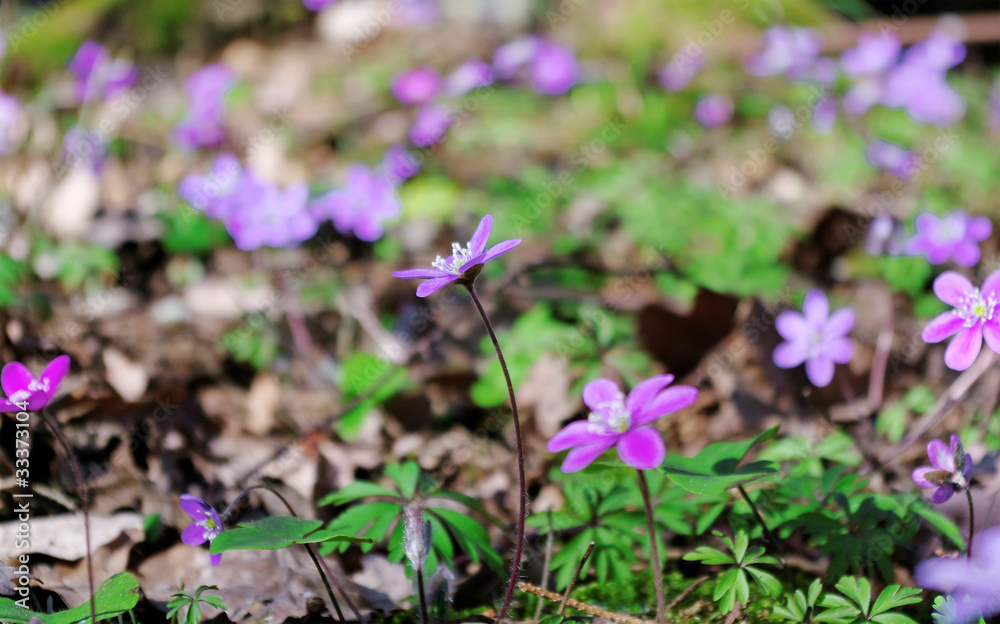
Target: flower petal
840,350
819,370
50,379
577,433
991,285
839,324
500,249
951,287
943,494
579,458
193,535
194,506
919,479
645,391
667,402
792,325
942,573
419,274
6,407
941,456
967,473
477,244
815,308
964,348
942,326
598,393
215,559
642,448
15,377
432,286
979,228
965,254
789,354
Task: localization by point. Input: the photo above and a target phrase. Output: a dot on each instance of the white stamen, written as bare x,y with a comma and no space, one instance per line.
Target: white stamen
453,264
211,529
617,418
973,308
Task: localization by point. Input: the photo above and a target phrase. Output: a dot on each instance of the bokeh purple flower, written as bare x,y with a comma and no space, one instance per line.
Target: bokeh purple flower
887,236
399,164
873,54
361,206
954,236
552,68
895,159
98,76
416,86
971,581
463,264
815,337
430,125
10,112
713,110
623,422
786,50
974,317
471,74
317,5
202,126
22,387
950,471
206,527
917,84
83,149
218,193
681,69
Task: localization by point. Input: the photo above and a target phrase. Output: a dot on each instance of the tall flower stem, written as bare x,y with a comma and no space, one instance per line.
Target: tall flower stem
654,551
518,451
423,598
972,523
81,484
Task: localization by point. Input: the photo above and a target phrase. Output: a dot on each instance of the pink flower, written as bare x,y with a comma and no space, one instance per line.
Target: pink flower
951,470
206,527
955,236
974,317
417,86
815,337
464,263
971,581
713,110
623,422
22,387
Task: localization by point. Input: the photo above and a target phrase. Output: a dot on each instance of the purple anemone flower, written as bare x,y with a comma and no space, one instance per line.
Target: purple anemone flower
971,581
873,55
271,216
472,74
430,125
206,527
203,124
82,148
623,422
975,316
815,337
917,84
895,159
553,69
950,472
399,164
317,5
955,236
789,51
22,387
681,69
713,110
10,111
97,75
218,193
464,263
416,86
360,208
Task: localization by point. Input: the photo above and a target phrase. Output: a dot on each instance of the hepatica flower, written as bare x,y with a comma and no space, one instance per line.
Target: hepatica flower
955,236
787,50
971,581
464,263
815,337
681,69
21,386
974,317
362,205
625,422
552,68
98,76
416,86
893,158
950,472
202,126
713,110
206,527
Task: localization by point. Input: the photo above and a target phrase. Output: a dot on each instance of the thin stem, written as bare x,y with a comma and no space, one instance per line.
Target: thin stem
518,451
771,538
654,551
972,522
423,599
549,539
81,484
576,578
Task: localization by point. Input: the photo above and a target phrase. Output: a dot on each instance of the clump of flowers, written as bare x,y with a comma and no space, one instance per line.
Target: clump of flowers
422,86
361,206
463,265
971,582
917,84
206,527
955,236
206,90
97,75
974,317
22,387
815,337
552,68
950,471
625,422
867,63
786,51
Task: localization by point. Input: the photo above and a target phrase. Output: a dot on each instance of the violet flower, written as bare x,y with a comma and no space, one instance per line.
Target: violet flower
206,527
681,69
950,472
10,112
786,50
22,387
82,148
713,110
553,69
270,216
464,263
885,236
815,337
202,126
873,54
955,236
399,164
623,422
893,158
971,581
317,5
917,84
430,125
219,193
417,86
97,75
974,317
361,206
824,115
472,74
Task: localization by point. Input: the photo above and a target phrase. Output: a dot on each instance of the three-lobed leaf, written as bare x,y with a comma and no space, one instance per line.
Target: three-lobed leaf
717,468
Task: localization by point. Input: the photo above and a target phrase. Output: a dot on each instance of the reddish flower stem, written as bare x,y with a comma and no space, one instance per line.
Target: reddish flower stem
518,451
654,551
972,522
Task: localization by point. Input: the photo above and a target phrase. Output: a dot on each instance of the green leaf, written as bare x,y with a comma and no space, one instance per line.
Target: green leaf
269,533
359,374
326,535
716,468
857,589
115,596
356,490
406,475
708,556
189,231
356,518
893,618
895,596
767,581
940,522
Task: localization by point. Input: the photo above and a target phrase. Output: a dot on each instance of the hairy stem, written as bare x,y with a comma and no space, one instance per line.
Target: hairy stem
423,599
654,551
518,451
972,522
81,484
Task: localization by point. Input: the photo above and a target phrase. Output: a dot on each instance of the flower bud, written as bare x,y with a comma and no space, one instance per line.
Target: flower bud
416,535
